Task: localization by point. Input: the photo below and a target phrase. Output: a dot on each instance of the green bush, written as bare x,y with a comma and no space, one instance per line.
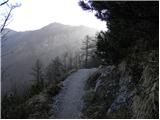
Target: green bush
95,112
89,96
10,106
53,89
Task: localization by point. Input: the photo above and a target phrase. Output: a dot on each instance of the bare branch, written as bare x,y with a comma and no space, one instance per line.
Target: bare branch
11,7
6,19
4,2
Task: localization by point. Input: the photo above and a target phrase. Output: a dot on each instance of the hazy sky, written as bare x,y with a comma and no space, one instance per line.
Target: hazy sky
34,14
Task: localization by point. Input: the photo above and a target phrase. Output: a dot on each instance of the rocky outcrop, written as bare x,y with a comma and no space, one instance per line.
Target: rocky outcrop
128,90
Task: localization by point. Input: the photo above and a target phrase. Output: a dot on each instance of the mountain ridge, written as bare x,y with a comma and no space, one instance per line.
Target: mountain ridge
52,24
44,44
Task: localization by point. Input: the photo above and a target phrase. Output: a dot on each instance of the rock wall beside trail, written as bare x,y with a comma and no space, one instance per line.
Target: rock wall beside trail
128,90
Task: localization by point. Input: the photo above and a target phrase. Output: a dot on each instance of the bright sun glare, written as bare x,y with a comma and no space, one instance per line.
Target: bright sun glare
35,14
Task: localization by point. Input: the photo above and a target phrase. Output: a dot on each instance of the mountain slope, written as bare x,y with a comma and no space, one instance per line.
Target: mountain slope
21,49
129,90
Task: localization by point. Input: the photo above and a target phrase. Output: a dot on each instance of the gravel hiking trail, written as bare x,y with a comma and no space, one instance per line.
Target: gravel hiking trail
68,103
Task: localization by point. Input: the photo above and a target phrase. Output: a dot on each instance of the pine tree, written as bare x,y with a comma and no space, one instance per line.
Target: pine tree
88,49
37,72
130,24
54,71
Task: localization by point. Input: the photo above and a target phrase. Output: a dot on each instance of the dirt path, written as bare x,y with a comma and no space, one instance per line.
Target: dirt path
68,103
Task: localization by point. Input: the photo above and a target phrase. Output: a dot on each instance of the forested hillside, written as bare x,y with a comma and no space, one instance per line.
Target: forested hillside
128,85
21,50
78,72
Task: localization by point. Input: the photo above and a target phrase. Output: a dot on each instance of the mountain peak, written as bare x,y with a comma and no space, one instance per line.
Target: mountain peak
54,23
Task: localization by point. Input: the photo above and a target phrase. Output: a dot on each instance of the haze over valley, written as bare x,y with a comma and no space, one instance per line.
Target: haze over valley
79,59
21,49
